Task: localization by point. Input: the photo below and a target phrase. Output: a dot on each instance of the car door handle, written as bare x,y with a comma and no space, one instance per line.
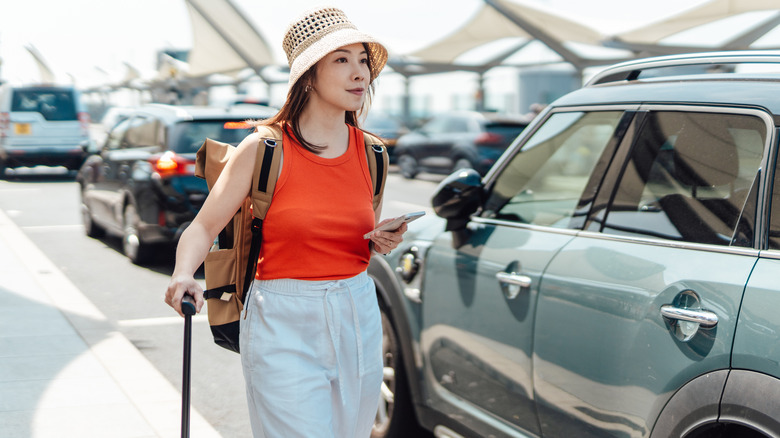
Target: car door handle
512,283
705,318
513,278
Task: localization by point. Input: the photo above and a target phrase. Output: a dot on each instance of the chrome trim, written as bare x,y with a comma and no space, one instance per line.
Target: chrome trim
513,278
671,243
704,318
529,227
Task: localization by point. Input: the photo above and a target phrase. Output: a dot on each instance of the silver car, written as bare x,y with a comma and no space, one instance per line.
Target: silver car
42,125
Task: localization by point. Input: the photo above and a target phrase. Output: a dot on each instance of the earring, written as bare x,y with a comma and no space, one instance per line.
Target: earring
307,89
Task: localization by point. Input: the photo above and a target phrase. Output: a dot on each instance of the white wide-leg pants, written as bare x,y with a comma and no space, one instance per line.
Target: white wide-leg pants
312,357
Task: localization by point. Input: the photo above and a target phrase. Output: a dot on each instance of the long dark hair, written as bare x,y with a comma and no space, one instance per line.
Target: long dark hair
297,98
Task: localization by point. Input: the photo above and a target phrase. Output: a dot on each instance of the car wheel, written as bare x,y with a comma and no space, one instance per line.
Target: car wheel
90,227
395,416
407,164
462,163
132,246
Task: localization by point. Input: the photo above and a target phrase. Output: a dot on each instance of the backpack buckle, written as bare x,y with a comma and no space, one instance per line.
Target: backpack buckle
270,142
377,148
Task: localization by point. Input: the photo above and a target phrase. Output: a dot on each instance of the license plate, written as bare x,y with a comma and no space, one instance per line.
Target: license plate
22,129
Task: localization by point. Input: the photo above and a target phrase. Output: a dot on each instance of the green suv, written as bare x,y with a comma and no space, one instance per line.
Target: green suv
616,273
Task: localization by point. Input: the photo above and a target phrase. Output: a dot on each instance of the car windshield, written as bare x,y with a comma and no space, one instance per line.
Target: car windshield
187,137
52,103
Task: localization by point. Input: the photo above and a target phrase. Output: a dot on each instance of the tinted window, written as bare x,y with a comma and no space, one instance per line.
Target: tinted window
142,132
688,178
543,183
187,137
114,139
53,103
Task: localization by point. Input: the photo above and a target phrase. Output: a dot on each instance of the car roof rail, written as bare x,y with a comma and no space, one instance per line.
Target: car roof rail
630,70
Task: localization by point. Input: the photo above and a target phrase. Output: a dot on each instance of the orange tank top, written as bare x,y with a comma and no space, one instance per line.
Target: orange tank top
320,211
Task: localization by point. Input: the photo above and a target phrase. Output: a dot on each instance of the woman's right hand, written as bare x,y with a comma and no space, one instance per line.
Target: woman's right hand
180,285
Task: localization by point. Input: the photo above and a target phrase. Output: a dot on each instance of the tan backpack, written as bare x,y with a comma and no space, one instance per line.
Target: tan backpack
231,264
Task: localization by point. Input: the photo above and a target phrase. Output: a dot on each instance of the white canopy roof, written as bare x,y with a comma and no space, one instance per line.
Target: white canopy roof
490,25
703,14
224,41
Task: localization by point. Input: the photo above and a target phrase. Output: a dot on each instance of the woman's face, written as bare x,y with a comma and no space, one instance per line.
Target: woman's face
342,78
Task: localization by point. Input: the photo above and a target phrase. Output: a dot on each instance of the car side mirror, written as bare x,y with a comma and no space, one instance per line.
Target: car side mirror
458,197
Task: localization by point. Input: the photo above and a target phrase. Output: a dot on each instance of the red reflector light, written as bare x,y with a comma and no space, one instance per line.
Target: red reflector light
236,125
489,138
84,122
169,164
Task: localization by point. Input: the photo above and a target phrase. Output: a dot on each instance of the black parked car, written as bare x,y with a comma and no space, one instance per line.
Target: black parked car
457,140
615,274
141,184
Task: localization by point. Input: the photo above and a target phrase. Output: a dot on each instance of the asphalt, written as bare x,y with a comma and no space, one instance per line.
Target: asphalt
65,369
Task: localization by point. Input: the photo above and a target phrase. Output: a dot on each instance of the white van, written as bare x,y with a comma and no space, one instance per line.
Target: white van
42,125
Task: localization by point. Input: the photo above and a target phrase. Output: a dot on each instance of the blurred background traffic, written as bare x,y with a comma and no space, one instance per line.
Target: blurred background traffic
122,95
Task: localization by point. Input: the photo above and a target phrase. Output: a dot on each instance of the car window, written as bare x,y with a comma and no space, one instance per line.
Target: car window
188,137
52,103
688,178
142,132
114,139
544,182
437,125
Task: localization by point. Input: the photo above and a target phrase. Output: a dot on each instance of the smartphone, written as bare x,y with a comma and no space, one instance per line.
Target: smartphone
396,223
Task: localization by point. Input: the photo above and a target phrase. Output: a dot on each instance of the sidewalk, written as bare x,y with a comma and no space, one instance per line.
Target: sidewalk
65,371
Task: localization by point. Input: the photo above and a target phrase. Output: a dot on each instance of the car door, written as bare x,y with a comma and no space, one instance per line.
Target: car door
99,177
646,298
481,284
137,146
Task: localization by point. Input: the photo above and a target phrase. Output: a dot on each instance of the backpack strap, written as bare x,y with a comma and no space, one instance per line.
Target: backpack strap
376,153
264,177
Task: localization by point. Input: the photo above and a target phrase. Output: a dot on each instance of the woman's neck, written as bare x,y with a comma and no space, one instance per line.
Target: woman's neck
325,128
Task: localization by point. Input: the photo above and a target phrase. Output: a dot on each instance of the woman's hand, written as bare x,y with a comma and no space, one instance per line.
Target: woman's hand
179,285
386,241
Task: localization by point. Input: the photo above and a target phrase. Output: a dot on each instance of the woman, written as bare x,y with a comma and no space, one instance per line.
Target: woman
311,331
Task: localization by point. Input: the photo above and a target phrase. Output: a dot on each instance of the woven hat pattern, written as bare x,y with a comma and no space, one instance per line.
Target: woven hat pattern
311,28
321,31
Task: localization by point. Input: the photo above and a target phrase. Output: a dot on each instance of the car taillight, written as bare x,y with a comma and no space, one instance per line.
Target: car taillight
489,138
5,123
84,122
169,164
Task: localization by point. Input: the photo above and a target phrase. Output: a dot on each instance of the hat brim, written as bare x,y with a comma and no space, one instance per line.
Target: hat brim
331,42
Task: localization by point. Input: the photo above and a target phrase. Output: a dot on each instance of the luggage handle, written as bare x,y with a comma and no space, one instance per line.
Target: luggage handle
188,309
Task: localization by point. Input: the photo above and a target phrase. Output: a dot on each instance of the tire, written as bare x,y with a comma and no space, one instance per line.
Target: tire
138,252
90,227
462,163
395,417
407,165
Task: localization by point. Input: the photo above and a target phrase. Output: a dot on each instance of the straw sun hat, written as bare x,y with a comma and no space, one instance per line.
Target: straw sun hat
321,31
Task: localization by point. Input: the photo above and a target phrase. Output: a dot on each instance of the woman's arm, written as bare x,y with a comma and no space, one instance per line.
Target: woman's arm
224,199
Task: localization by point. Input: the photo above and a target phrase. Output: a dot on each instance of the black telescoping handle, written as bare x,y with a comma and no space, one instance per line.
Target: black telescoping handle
188,309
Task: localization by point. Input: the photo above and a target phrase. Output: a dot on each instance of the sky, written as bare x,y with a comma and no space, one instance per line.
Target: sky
89,41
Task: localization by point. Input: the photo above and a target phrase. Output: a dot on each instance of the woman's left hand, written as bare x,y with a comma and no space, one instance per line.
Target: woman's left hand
386,241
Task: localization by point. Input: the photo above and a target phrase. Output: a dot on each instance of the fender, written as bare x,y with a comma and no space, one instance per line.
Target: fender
752,399
384,276
694,405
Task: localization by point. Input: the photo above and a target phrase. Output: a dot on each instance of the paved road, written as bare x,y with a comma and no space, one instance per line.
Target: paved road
45,205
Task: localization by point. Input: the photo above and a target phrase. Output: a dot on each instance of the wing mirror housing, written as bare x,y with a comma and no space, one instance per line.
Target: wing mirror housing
458,197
